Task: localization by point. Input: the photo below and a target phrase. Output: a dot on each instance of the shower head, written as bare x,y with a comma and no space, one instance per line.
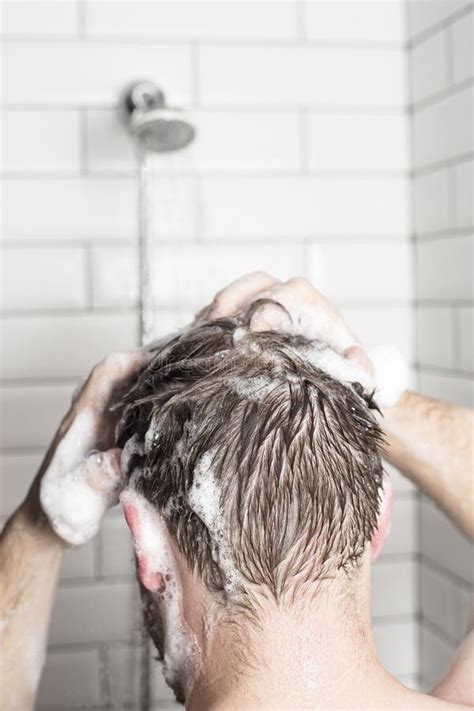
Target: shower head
158,128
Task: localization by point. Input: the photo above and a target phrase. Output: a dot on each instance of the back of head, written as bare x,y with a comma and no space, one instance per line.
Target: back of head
265,468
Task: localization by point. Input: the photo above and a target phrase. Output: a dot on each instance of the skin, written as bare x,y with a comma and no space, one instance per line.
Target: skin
298,658
31,552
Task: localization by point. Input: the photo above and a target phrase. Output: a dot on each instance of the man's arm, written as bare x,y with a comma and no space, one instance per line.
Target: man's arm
432,443
30,559
31,551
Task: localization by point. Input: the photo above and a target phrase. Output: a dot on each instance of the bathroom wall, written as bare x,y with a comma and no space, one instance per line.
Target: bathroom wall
441,71
300,167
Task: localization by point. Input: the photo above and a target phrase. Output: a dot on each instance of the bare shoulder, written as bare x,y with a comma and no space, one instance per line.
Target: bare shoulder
428,702
457,685
455,690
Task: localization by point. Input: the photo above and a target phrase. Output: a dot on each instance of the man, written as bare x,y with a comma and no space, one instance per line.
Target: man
274,618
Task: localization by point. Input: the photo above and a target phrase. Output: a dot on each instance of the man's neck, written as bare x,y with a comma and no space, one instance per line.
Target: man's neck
319,654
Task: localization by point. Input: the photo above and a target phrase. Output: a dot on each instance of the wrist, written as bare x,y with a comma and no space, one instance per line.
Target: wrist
31,521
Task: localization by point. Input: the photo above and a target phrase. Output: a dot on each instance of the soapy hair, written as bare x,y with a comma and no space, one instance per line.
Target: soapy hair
266,469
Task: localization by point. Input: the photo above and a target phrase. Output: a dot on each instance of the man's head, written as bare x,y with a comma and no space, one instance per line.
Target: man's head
264,468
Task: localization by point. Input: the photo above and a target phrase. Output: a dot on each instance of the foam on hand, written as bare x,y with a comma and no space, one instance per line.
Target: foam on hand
391,374
337,366
79,486
299,317
321,324
390,378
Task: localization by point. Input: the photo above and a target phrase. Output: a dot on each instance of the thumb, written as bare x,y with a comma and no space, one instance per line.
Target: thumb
103,474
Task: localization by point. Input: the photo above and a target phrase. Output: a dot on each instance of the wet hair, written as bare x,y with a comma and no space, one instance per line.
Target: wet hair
290,455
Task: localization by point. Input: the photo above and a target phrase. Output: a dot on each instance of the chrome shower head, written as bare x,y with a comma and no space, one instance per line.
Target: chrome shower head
158,128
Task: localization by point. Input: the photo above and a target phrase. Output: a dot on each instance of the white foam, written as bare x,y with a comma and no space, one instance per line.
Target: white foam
321,323
342,369
132,447
238,335
203,497
391,374
77,489
182,658
204,500
252,388
152,436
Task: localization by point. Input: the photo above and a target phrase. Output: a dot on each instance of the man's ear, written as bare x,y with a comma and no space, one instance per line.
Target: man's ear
384,519
150,540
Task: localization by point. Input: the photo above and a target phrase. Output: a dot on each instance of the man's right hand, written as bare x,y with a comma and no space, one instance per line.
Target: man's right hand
312,315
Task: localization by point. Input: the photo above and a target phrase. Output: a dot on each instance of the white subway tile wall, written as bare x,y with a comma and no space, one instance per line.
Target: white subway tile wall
43,141
71,679
434,281
46,19
423,17
48,277
463,190
249,208
429,69
441,69
462,33
301,166
68,73
361,143
192,20
432,215
353,22
442,129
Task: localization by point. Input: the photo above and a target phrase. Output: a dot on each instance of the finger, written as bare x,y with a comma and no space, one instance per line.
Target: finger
312,315
236,295
360,357
110,376
270,317
104,475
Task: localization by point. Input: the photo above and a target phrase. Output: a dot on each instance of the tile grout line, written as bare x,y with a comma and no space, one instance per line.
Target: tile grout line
438,96
300,20
81,19
439,26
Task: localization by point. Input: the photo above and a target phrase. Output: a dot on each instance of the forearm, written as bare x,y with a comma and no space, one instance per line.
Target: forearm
431,442
30,559
82,458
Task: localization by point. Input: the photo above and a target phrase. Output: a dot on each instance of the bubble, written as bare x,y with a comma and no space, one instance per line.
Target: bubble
252,388
204,500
